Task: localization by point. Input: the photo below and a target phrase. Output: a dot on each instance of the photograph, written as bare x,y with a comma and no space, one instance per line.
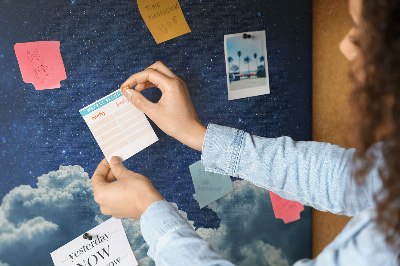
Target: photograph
246,64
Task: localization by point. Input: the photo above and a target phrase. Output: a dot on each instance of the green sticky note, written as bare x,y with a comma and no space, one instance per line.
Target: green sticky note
209,186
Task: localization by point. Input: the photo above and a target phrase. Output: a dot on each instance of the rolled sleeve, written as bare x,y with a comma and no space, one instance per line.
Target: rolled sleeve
221,149
313,173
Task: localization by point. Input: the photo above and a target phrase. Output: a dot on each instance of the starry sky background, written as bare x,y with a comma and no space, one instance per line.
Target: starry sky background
103,43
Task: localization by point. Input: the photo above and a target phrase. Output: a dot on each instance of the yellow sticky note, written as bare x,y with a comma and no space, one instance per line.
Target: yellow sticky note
164,18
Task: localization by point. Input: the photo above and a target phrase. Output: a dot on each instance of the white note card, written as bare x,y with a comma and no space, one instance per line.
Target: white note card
118,126
108,247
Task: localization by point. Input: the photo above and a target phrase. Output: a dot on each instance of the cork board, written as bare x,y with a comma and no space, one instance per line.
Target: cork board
330,107
47,148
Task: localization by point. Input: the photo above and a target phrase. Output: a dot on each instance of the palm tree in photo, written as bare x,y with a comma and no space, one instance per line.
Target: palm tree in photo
255,60
239,54
247,60
230,60
262,59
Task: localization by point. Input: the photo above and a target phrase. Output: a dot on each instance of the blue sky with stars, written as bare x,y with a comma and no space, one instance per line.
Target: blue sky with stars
103,43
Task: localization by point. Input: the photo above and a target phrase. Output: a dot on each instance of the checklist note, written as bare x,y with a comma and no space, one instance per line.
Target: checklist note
118,126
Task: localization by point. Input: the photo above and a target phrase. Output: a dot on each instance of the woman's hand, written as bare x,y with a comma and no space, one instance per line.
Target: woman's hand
174,112
127,197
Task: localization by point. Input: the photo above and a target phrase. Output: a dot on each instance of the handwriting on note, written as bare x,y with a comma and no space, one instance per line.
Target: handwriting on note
41,63
122,102
209,186
288,211
98,115
164,18
118,126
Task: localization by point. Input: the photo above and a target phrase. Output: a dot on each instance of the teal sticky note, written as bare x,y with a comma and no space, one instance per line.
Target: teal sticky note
209,186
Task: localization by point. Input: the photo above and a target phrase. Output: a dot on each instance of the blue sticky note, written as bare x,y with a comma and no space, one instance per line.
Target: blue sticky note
209,186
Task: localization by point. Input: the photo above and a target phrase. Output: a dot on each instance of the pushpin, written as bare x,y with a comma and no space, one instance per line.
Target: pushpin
88,236
246,36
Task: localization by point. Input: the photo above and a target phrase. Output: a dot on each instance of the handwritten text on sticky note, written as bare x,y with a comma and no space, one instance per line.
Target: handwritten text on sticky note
288,211
164,18
41,63
209,186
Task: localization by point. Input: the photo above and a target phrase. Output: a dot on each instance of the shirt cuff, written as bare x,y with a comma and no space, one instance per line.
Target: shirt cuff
158,219
221,149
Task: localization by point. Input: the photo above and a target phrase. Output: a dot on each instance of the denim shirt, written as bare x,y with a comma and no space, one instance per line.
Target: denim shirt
312,173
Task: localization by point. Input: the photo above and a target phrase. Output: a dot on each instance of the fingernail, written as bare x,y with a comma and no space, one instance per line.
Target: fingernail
125,88
115,160
128,93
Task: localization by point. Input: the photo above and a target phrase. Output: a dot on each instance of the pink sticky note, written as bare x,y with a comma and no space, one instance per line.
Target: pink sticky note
41,63
286,210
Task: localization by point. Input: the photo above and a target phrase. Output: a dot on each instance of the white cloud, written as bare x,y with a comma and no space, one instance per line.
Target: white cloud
242,234
37,221
136,240
260,253
27,235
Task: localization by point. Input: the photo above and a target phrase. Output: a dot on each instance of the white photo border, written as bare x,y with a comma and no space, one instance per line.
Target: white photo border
248,92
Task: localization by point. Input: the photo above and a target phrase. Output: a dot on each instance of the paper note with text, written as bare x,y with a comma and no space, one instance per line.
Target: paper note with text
118,126
209,186
108,246
164,18
287,210
41,63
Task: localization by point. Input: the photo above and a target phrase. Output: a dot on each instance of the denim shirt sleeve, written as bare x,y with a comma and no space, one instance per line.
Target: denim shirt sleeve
172,240
312,173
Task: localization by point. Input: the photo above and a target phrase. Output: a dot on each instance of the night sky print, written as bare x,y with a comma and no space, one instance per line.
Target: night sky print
102,44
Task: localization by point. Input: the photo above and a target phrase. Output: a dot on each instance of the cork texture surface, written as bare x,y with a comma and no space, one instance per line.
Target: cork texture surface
331,89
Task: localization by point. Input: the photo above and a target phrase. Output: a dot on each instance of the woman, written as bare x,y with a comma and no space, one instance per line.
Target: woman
316,174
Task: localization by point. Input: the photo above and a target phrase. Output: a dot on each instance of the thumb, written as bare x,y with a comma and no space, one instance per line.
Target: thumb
138,100
117,167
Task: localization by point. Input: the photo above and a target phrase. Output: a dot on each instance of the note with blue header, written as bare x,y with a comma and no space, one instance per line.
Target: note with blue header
118,126
209,186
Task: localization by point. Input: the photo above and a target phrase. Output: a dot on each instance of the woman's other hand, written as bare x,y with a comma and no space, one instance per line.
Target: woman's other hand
128,197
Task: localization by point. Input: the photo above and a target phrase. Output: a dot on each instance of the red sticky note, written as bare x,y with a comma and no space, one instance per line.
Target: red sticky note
41,63
286,210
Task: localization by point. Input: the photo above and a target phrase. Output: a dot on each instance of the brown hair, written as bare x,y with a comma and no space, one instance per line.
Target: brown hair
375,102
